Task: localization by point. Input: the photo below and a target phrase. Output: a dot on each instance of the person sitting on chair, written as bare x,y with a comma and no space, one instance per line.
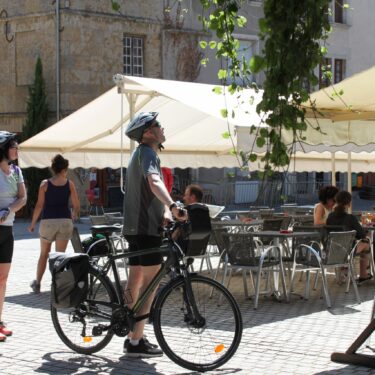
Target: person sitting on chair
349,222
200,222
326,203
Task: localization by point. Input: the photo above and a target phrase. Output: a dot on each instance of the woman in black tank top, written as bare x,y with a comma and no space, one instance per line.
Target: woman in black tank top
56,223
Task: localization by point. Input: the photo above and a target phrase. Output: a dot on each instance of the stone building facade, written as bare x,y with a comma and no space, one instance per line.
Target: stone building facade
80,59
90,46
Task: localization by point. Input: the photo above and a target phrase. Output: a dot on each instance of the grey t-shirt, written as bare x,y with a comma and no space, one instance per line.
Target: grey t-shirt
143,211
9,190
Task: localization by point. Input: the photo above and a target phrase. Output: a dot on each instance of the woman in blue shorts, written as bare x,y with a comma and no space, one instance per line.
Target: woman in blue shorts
12,198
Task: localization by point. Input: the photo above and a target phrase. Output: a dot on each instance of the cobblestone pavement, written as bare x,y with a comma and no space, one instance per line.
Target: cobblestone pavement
278,338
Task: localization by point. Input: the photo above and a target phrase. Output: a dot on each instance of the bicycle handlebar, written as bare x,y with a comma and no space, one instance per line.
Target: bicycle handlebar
172,226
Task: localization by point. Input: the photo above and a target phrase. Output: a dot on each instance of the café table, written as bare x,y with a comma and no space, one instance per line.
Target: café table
238,213
238,225
277,237
284,236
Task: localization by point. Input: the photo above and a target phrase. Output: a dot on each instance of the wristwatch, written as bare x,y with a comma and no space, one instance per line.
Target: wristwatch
172,206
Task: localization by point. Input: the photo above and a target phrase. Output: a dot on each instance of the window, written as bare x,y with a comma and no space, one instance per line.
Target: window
247,49
133,55
339,70
337,11
337,67
324,80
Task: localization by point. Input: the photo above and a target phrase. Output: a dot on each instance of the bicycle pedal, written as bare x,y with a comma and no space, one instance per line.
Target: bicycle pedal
97,331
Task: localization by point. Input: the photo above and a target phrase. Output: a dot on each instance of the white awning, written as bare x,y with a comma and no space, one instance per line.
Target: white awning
189,112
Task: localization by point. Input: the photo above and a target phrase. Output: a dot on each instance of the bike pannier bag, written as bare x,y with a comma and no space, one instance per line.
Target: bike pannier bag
69,278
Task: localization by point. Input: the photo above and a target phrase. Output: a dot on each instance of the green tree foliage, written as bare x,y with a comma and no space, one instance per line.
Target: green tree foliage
294,34
292,31
37,120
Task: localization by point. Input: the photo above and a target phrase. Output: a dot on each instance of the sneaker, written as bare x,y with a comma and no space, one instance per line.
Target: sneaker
360,280
5,331
127,342
143,350
2,337
35,286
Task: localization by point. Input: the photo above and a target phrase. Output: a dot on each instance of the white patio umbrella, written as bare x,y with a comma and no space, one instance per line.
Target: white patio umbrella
347,124
190,113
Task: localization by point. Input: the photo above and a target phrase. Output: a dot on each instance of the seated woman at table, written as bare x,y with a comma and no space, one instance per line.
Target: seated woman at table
339,216
325,206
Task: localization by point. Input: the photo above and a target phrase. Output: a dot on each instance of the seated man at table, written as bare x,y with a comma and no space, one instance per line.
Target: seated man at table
339,216
196,239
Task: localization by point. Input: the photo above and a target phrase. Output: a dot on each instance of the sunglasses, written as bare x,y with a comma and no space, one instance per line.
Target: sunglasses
156,124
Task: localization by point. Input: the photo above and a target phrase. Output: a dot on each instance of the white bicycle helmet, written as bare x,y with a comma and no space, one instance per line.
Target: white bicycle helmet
139,124
5,137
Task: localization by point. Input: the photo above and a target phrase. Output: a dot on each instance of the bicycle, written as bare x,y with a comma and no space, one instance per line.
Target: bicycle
196,320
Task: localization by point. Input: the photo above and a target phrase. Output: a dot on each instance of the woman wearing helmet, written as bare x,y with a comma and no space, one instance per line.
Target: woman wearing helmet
12,198
147,206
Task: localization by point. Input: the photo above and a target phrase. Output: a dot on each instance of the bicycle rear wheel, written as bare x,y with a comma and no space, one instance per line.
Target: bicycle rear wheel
81,328
198,346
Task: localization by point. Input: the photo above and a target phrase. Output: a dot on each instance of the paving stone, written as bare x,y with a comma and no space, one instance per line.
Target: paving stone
278,338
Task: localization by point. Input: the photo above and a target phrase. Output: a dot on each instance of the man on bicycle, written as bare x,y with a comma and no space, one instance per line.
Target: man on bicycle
147,207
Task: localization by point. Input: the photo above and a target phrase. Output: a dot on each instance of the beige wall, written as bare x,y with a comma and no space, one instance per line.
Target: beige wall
92,54
353,41
91,51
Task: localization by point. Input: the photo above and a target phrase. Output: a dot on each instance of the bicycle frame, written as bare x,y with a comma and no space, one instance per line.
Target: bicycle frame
172,260
181,307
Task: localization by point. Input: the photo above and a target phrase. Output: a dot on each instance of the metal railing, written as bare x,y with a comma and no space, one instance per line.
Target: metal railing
271,194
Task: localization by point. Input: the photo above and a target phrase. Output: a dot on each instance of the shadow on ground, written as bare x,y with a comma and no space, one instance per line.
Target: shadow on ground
58,363
350,369
269,310
37,301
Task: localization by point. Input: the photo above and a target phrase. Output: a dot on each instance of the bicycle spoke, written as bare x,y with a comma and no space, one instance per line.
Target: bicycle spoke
194,344
85,328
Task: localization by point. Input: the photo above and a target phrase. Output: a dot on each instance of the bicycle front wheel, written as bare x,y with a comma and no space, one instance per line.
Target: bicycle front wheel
83,328
197,345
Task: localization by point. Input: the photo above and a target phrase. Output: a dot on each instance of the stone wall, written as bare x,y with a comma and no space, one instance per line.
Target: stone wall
91,48
92,54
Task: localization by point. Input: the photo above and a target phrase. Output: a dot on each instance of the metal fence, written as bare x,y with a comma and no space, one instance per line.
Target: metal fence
271,194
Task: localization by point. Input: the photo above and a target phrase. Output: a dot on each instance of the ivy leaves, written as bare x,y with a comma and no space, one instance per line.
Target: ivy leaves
292,32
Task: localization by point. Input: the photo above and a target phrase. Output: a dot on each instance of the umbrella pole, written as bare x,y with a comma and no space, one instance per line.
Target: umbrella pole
333,174
349,172
350,177
131,99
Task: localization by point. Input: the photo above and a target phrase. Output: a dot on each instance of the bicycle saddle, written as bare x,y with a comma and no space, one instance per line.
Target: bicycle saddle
105,229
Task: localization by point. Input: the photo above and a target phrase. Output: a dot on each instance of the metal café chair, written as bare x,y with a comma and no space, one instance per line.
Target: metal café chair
266,212
118,241
114,217
302,219
76,241
98,219
245,254
273,224
219,239
336,252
